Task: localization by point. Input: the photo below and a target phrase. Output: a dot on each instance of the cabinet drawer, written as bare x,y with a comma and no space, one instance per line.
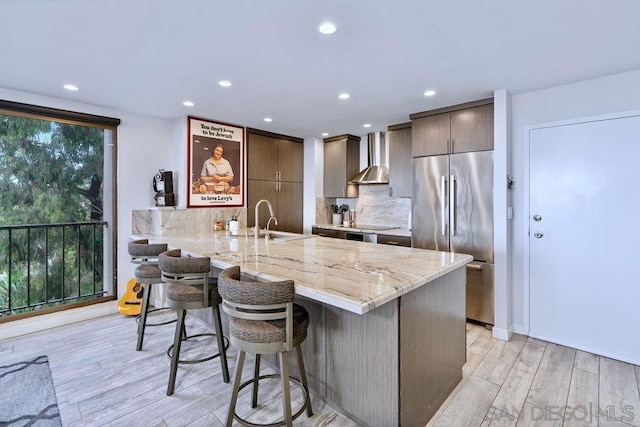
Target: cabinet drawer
386,239
326,232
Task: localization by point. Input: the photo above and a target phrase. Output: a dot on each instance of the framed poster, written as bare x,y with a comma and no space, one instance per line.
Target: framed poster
216,164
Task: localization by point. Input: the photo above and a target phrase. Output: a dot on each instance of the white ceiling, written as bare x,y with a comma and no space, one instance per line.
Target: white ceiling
148,56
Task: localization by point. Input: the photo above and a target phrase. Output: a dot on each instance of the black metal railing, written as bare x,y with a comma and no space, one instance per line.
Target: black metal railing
49,265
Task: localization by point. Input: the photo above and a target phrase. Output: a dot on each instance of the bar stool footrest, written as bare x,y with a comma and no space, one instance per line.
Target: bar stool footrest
294,380
159,323
204,359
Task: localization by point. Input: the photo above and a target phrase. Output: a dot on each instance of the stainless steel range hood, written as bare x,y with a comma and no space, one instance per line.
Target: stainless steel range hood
377,172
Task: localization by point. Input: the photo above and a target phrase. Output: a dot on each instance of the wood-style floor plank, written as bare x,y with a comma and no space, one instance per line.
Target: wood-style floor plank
618,394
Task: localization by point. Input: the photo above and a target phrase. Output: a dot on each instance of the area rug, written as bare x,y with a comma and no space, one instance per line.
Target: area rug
27,396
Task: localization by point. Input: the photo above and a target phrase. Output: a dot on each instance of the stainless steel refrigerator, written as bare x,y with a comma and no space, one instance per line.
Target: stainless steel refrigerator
452,210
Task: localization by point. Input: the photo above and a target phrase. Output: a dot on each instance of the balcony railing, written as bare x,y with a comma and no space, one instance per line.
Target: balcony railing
50,265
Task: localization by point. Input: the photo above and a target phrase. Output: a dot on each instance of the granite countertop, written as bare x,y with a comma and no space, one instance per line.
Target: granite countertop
354,276
405,232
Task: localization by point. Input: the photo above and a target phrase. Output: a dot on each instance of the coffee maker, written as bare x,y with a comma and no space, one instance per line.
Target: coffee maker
163,186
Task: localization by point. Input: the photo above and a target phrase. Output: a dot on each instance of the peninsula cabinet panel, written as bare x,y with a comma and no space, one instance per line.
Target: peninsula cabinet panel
365,382
472,129
341,163
430,135
399,159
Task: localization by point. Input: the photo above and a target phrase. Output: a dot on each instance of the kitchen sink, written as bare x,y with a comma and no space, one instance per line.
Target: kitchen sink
283,236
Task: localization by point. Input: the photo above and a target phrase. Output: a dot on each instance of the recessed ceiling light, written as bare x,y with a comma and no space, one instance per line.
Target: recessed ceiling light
366,125
268,119
328,28
344,96
224,83
71,87
430,92
325,133
188,104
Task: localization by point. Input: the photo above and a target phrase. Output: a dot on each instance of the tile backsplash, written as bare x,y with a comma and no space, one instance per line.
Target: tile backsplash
373,207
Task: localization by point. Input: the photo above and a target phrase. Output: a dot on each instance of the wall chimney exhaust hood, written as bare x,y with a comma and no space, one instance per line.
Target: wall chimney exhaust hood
377,172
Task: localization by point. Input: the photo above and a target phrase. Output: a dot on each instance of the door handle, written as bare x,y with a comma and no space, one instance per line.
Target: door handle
443,193
452,205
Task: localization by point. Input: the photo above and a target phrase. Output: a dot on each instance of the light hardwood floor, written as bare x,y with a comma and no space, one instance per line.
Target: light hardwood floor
528,382
101,380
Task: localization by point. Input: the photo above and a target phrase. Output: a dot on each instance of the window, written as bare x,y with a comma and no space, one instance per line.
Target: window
57,209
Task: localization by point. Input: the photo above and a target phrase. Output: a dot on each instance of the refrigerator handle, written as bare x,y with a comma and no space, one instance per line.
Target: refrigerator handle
443,212
452,205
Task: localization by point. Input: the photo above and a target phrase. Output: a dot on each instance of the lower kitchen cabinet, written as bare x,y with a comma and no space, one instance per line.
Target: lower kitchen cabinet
387,239
326,232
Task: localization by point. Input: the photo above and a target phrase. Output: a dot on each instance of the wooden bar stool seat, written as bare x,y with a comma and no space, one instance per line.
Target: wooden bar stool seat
264,320
190,287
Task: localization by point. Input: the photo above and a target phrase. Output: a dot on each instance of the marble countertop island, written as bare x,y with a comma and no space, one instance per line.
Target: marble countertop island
353,276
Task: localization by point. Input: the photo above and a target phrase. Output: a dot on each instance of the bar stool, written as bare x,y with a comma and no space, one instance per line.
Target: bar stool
191,288
264,320
147,273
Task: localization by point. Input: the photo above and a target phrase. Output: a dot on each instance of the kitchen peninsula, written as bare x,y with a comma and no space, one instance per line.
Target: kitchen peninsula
386,341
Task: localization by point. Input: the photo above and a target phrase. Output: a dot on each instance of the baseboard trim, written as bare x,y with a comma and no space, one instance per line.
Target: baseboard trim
502,334
60,318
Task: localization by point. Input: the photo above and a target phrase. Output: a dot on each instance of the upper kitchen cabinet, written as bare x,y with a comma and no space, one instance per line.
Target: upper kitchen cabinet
275,170
399,140
456,129
273,157
472,129
430,135
341,163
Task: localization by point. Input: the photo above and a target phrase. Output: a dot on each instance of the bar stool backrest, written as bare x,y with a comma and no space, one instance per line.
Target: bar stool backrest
181,270
143,252
258,301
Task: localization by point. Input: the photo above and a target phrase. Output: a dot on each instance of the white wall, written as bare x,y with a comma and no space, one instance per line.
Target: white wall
313,182
144,146
611,94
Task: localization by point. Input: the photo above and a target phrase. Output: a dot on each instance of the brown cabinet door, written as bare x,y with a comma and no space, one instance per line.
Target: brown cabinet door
289,210
262,157
328,232
341,163
290,161
257,191
472,129
430,135
335,173
387,239
400,162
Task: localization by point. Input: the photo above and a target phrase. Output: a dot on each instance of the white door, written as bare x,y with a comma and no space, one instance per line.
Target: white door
584,236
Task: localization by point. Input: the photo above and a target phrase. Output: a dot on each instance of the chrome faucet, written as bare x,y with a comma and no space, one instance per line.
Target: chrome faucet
256,229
